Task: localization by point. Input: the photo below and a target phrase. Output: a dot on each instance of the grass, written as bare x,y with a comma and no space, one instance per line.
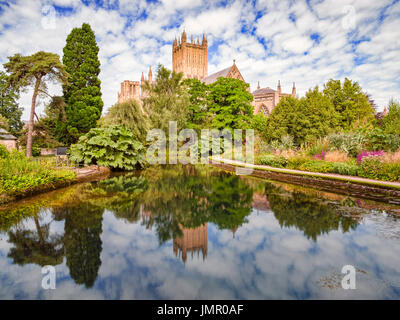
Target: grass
19,175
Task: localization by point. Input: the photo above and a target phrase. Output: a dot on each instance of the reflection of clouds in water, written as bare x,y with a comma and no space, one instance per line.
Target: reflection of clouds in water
262,261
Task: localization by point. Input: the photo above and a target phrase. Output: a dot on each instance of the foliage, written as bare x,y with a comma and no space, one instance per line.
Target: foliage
306,119
34,70
317,147
351,143
9,108
41,138
391,122
366,154
130,115
53,121
4,153
228,102
82,93
19,174
349,101
166,100
115,147
197,109
348,168
273,161
259,123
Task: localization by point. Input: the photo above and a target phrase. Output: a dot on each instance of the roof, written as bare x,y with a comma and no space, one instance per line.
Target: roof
4,135
262,91
213,77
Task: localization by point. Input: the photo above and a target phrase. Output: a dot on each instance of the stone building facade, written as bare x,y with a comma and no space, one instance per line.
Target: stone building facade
266,99
190,58
8,140
193,241
134,90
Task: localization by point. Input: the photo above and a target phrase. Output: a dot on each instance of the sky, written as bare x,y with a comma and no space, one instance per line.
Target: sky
306,42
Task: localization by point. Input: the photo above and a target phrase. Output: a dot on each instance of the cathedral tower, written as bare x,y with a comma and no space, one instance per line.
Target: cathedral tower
191,58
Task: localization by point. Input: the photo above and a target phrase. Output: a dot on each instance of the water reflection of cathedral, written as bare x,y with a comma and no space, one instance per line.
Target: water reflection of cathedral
193,241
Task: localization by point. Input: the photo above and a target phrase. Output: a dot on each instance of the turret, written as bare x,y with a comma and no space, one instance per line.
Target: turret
279,87
204,42
183,37
258,85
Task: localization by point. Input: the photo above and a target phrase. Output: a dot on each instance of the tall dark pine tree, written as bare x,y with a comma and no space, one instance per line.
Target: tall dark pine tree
9,107
82,94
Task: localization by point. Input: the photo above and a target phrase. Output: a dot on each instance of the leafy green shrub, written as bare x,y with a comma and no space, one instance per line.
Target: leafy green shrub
317,166
375,168
351,143
296,161
273,161
394,142
285,143
115,147
3,152
345,168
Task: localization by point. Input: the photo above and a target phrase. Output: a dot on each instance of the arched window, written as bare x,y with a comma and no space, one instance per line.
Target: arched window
264,110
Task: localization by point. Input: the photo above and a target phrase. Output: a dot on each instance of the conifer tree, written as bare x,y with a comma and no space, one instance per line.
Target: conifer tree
82,94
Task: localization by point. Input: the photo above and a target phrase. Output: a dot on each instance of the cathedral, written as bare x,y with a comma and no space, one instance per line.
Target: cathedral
191,58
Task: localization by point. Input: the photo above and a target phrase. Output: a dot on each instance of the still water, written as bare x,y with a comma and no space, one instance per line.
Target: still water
186,232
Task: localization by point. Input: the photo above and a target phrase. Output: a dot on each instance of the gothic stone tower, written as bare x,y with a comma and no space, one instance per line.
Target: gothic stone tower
191,58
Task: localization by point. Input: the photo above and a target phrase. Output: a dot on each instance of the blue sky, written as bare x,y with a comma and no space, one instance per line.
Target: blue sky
307,42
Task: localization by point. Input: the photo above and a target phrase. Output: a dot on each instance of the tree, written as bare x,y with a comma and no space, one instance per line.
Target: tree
197,109
34,70
391,122
350,102
54,118
167,100
82,94
229,105
9,108
305,120
4,123
282,120
316,117
130,115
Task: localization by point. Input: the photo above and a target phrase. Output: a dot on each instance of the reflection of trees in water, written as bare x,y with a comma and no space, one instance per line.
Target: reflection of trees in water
194,197
83,228
311,215
39,247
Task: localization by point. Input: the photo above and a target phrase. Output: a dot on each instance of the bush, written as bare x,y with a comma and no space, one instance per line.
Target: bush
273,161
3,152
317,166
350,143
375,168
115,147
369,154
345,168
296,161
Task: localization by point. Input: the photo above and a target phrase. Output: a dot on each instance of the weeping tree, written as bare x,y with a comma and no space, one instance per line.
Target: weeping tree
130,115
34,71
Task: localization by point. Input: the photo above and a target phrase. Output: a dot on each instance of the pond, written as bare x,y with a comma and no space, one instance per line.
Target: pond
197,232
